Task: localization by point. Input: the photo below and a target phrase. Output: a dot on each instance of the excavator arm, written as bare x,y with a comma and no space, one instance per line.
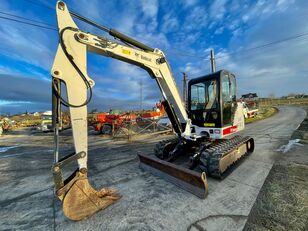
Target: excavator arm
70,63
80,200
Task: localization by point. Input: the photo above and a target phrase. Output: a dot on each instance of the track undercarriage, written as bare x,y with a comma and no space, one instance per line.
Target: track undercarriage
214,158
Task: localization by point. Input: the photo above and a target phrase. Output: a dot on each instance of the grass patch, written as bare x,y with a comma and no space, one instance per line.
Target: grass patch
264,112
277,102
282,202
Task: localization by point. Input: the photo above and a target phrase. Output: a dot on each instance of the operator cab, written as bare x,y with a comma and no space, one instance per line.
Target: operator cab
212,99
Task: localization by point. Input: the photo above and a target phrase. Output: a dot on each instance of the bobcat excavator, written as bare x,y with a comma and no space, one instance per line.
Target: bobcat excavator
201,129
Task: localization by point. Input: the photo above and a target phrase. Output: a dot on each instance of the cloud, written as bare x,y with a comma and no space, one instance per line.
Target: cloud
106,103
9,71
18,107
170,23
196,19
19,45
150,8
278,69
35,94
17,88
269,72
18,94
31,45
217,9
219,30
123,82
184,30
189,3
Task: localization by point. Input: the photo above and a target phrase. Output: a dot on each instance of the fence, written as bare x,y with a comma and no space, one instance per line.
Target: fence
139,129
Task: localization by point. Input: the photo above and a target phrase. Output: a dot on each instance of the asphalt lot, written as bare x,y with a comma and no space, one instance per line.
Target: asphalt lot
148,202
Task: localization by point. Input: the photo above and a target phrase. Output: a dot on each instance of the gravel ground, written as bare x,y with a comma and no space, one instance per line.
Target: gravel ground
148,202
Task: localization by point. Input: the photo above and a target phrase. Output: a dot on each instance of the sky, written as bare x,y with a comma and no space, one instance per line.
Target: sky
185,30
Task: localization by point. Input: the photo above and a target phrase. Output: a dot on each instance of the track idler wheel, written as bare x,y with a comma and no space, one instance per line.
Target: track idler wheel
80,200
250,145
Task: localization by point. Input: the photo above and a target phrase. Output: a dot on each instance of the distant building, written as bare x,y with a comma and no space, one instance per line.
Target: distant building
295,96
300,96
251,96
251,101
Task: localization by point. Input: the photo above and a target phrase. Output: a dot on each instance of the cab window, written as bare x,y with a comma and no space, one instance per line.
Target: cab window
225,84
204,95
226,100
233,88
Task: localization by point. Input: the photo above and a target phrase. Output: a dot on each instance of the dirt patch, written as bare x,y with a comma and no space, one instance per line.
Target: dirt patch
264,112
282,203
302,131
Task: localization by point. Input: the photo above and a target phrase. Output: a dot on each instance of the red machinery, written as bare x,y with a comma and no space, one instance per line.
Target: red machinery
157,112
106,123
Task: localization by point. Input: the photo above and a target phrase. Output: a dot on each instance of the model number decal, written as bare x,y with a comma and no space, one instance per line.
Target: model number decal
209,124
127,52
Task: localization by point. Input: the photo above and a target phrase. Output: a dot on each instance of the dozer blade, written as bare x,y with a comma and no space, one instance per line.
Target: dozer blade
80,200
191,181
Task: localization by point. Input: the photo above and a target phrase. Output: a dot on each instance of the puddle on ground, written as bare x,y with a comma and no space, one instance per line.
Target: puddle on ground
4,149
286,147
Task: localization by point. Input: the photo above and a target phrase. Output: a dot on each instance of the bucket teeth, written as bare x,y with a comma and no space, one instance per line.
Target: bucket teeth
80,200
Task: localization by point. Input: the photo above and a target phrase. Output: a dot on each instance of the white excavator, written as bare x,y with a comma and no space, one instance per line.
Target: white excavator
204,144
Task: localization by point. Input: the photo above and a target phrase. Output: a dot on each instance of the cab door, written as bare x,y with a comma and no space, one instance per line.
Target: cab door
228,96
203,102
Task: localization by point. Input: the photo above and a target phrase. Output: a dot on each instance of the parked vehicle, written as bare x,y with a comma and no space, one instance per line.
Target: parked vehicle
46,124
249,112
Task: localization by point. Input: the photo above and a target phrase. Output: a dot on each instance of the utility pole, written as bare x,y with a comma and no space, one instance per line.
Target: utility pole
141,95
213,64
184,88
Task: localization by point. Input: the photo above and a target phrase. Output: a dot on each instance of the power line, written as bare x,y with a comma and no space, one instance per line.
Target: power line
28,23
31,20
267,44
41,4
182,53
245,55
177,52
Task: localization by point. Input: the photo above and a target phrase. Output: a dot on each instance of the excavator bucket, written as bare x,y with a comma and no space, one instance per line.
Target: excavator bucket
191,181
80,200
